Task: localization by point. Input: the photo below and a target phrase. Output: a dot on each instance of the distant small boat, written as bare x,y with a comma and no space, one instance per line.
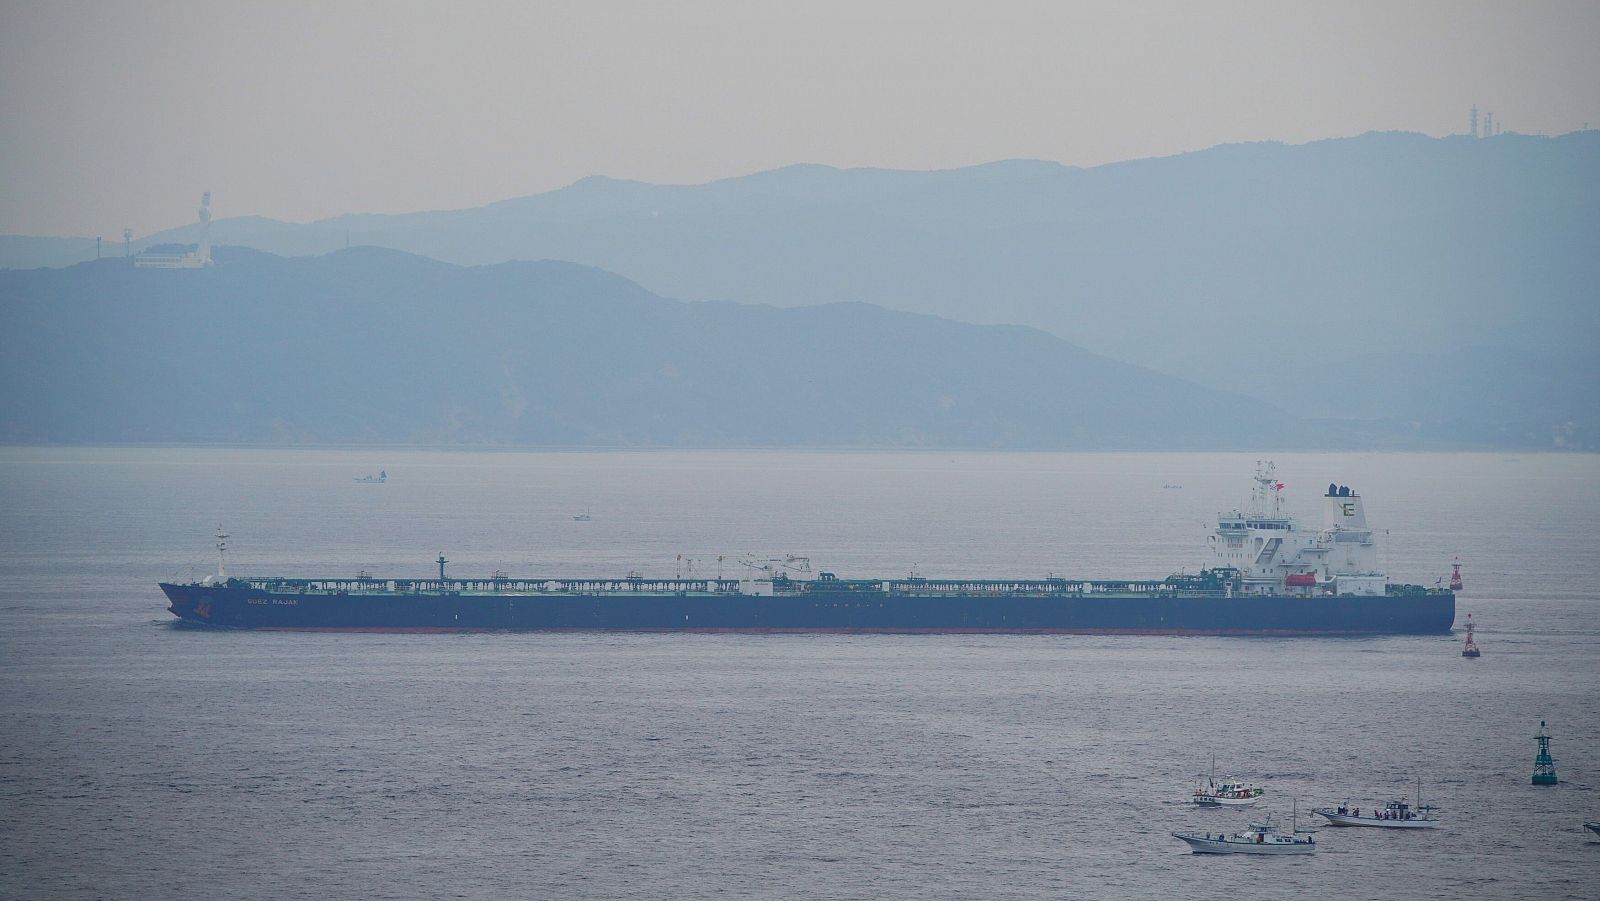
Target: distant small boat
581,517
382,476
1230,792
1171,486
1394,815
1259,838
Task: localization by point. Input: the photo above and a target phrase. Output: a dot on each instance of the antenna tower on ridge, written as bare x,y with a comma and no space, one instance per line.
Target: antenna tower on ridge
204,254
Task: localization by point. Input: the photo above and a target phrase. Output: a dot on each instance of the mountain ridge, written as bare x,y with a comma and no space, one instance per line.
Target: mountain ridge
372,345
1330,267
186,232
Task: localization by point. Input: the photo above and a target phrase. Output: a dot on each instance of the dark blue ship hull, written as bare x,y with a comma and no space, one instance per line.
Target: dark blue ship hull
241,605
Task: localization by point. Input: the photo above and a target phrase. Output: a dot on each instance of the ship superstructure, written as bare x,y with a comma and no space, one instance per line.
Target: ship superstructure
1267,577
1274,556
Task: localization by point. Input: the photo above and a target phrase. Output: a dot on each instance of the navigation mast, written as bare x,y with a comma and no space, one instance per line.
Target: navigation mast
1268,490
222,554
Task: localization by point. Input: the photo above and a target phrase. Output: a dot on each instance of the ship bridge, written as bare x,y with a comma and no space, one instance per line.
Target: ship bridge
1273,555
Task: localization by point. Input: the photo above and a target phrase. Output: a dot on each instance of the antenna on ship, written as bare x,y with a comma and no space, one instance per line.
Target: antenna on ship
222,554
442,562
1267,488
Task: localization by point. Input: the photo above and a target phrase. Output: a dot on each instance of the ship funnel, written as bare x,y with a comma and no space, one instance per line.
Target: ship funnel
1341,509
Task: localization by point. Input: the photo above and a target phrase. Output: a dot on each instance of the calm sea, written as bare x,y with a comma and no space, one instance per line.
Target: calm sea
137,760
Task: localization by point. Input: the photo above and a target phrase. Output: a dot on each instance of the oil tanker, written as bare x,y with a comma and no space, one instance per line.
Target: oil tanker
1266,576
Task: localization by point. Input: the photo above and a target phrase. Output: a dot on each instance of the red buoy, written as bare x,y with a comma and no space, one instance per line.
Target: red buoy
1455,575
1471,648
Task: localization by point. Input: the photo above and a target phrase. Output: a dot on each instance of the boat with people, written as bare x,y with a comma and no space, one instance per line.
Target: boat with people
1257,838
1398,814
1230,792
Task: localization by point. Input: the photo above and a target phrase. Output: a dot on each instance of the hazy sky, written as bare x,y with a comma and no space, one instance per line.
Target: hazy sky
119,114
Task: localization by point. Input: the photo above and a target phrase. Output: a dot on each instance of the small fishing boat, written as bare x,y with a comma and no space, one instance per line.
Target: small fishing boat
1393,815
581,517
1230,792
382,476
1259,838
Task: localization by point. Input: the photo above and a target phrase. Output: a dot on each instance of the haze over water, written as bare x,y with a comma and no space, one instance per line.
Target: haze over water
141,760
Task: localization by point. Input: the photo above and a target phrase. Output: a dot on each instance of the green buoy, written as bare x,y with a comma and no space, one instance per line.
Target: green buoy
1544,766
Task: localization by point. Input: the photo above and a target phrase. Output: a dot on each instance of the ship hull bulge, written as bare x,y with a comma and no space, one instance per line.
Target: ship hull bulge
242,606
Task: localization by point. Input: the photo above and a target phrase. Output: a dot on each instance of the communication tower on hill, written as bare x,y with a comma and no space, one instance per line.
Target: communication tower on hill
205,229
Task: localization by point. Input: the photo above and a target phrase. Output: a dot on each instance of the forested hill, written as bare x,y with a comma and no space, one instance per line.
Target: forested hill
378,346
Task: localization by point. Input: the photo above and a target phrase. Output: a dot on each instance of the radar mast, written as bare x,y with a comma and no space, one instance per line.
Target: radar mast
222,554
